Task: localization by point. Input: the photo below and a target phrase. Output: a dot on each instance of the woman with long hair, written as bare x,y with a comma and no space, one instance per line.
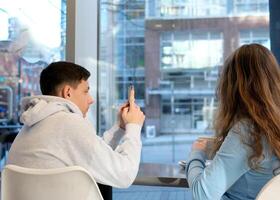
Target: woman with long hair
247,125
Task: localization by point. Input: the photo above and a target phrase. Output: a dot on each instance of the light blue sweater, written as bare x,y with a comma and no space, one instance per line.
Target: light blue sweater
228,177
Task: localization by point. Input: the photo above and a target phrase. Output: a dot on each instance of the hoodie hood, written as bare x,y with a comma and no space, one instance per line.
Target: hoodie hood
37,108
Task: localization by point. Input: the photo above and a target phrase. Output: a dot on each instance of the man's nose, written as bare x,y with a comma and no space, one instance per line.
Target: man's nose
90,101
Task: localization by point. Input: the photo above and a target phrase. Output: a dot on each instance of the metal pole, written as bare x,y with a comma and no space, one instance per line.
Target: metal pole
172,120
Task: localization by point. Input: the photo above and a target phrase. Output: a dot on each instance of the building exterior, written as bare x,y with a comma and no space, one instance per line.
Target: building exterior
121,56
172,51
186,43
22,56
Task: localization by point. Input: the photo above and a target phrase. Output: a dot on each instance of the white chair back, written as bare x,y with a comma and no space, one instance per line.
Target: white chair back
69,183
270,190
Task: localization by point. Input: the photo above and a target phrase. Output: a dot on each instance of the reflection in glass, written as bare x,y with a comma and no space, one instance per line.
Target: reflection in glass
32,34
172,51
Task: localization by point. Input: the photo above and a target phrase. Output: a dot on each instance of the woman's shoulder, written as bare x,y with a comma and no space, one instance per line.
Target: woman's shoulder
241,131
242,128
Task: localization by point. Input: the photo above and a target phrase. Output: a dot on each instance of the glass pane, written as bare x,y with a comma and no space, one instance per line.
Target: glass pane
173,55
32,34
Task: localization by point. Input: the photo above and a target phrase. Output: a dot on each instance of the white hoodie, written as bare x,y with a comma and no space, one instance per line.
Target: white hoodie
55,134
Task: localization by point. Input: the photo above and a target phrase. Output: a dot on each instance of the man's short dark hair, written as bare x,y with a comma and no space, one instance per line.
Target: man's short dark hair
58,73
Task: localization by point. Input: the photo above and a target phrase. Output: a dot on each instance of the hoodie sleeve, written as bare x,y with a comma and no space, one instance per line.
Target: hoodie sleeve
118,167
113,136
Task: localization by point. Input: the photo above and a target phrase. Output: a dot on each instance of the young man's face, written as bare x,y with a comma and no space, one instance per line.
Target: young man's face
81,97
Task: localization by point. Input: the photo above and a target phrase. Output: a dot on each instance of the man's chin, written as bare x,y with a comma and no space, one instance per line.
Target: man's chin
85,113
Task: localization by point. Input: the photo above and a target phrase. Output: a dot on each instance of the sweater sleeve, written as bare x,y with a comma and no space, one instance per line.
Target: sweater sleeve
113,136
118,167
228,165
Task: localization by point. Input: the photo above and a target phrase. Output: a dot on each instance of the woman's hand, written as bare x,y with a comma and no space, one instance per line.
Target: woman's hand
200,144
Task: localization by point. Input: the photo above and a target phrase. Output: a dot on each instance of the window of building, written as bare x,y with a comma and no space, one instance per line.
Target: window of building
255,7
191,49
260,36
189,9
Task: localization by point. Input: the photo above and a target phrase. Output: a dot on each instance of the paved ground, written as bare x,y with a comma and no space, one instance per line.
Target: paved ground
152,193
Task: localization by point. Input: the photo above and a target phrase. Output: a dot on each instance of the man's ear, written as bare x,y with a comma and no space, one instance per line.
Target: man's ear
66,92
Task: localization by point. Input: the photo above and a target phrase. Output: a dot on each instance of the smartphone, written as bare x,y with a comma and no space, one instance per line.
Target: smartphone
131,94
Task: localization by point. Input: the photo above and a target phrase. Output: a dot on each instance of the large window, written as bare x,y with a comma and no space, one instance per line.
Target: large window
32,34
172,51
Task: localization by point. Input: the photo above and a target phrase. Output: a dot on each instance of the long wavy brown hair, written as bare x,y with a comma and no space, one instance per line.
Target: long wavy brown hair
249,89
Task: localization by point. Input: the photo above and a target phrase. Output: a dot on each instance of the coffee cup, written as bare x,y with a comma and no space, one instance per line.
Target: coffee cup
209,146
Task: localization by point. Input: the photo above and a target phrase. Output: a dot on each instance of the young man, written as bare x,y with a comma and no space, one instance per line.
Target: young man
56,134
